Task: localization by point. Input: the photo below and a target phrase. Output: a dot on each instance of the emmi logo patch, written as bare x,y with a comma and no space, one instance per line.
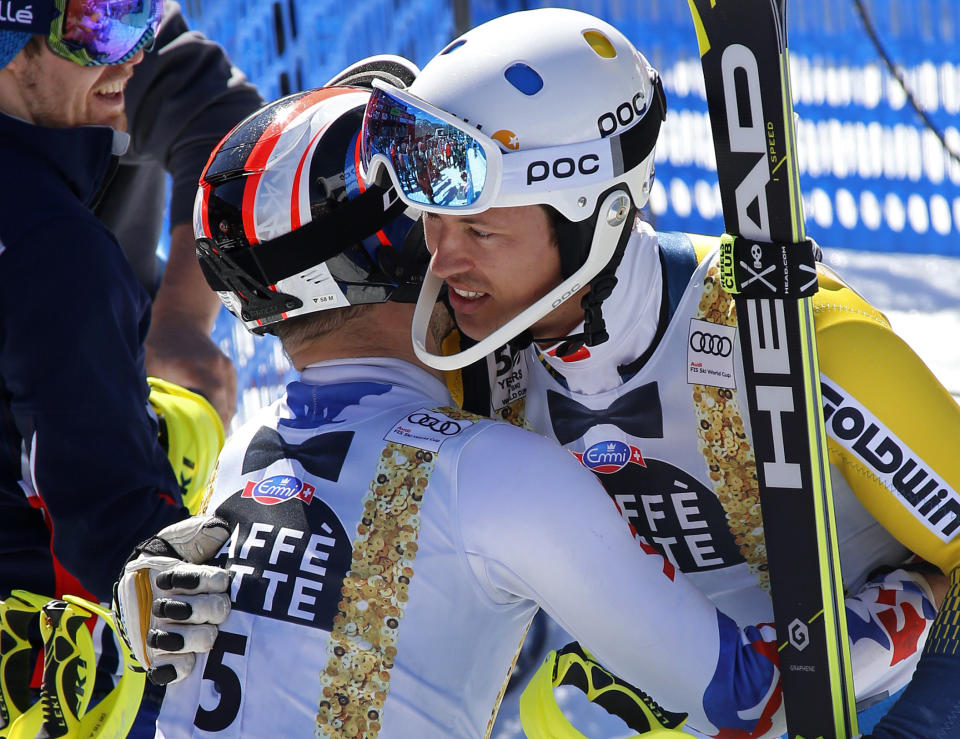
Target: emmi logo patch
277,489
903,473
607,457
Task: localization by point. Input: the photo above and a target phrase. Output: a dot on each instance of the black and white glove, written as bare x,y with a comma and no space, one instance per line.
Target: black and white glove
167,604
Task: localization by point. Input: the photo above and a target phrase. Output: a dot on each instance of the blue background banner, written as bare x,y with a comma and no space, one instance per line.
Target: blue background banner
873,175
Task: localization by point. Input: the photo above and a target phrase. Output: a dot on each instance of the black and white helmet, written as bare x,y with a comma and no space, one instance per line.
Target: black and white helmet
285,226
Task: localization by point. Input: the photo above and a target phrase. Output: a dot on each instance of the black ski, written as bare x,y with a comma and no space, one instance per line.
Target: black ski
767,264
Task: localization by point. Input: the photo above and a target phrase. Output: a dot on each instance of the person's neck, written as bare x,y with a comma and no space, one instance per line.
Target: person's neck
11,101
383,330
631,316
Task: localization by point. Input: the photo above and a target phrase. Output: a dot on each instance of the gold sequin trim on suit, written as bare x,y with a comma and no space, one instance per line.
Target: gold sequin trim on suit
725,446
362,648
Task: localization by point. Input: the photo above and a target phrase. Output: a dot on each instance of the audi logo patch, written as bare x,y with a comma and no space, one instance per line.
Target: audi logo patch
427,428
710,354
715,344
441,424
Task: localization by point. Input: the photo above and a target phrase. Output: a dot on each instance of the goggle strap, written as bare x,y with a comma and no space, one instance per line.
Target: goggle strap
317,241
71,51
639,140
407,276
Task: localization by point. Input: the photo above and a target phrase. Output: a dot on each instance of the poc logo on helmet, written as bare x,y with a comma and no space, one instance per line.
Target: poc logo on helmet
562,168
624,115
565,296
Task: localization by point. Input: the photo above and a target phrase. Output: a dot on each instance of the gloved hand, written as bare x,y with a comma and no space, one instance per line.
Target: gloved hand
167,604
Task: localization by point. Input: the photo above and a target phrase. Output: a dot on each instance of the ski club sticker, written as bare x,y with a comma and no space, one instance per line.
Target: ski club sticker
277,489
710,354
607,457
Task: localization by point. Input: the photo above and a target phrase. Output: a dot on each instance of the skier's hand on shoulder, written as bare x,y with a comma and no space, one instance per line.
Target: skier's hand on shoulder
167,603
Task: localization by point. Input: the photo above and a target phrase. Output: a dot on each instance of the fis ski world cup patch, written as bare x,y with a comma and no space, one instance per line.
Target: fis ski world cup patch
427,429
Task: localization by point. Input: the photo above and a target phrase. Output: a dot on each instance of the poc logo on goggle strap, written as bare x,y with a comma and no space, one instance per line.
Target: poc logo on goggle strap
623,116
562,168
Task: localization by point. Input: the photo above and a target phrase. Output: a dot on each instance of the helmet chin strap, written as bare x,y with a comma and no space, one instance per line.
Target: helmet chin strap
594,327
613,230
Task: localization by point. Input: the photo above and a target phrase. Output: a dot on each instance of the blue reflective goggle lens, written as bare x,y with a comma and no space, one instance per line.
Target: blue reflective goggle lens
434,162
109,31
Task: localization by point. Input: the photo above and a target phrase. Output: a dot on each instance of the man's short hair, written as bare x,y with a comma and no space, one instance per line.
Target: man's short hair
297,331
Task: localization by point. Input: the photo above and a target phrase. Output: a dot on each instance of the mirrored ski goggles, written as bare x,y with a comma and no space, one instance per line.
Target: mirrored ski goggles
440,164
93,32
87,32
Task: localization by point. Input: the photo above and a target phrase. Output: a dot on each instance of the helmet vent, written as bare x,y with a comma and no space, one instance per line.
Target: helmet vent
600,44
524,78
453,46
316,275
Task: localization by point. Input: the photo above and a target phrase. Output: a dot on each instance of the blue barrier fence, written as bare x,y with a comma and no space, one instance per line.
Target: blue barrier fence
873,176
289,45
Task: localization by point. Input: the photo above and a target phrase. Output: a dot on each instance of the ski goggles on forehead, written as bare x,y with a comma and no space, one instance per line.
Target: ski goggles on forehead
87,32
440,164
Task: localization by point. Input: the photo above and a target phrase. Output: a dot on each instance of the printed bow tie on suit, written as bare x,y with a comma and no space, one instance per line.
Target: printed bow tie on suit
321,455
637,412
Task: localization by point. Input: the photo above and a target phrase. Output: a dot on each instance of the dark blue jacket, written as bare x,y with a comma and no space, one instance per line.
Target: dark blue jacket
83,478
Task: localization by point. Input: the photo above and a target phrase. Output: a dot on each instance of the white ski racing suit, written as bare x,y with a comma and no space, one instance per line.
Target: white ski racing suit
389,553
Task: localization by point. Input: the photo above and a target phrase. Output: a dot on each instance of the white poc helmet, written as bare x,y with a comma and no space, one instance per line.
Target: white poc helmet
575,110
